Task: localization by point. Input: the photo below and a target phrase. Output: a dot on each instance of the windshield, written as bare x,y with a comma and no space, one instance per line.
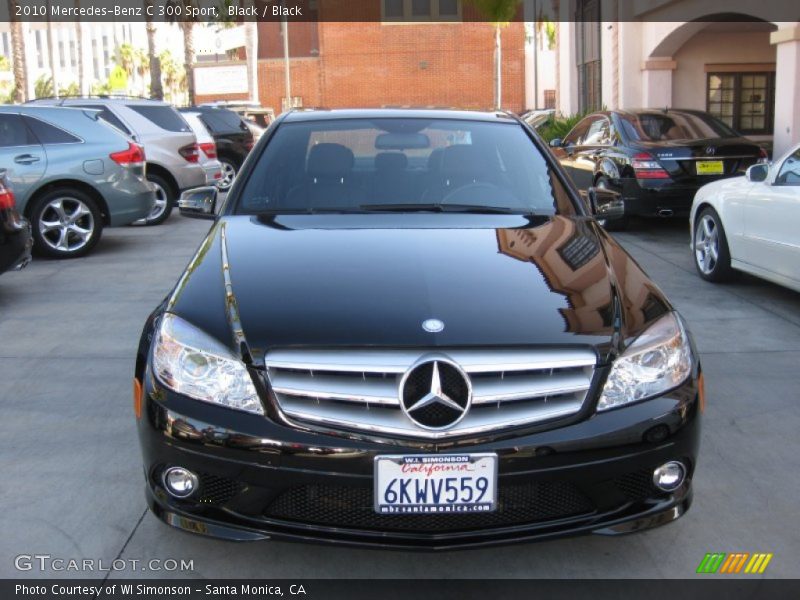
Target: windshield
402,165
656,127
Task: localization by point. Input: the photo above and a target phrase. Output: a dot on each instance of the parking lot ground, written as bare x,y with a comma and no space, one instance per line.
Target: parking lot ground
72,482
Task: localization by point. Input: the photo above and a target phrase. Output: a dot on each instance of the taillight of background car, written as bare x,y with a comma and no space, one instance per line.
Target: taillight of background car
191,153
132,157
209,149
6,197
647,167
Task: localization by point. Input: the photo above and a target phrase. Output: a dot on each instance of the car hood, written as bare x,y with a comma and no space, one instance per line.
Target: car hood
371,280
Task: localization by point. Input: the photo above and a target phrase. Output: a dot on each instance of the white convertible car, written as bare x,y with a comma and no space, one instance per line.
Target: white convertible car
751,224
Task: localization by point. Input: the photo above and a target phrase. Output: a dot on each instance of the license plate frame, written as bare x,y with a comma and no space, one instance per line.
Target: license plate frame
484,465
710,167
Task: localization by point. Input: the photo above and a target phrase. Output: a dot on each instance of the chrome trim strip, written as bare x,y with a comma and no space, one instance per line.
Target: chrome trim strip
399,361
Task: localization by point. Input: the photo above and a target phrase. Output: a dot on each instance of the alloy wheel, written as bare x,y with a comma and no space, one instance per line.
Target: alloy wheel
228,175
160,203
66,224
706,244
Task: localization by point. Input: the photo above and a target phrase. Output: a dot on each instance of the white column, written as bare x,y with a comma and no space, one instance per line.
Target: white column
787,88
657,82
568,73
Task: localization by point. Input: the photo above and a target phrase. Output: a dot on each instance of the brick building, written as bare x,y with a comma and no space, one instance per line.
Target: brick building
385,61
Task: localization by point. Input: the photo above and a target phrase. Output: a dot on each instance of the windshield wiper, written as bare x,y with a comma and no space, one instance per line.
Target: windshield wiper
455,208
307,211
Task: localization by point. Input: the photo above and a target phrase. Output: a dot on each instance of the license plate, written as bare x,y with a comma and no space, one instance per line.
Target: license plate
437,483
710,167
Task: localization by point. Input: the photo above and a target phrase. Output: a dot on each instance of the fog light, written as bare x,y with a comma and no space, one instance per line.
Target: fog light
180,482
669,476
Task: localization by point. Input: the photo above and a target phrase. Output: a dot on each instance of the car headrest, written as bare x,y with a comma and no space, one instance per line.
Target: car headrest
435,160
330,160
391,161
462,159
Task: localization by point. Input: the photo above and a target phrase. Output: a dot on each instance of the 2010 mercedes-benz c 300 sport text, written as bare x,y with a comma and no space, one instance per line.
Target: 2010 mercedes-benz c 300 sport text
405,328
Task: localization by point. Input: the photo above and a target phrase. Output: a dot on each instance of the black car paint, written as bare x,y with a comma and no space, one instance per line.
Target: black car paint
16,240
586,164
233,143
369,280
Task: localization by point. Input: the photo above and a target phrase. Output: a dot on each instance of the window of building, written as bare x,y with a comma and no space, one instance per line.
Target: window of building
744,101
39,49
587,25
421,10
549,99
6,45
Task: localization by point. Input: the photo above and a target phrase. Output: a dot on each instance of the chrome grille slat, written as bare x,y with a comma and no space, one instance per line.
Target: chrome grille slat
398,361
352,388
359,389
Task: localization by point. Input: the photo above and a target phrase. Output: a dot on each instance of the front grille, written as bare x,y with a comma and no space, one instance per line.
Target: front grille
217,490
359,389
351,506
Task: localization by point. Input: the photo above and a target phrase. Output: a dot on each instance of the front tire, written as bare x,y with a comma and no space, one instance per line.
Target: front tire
712,258
66,223
165,198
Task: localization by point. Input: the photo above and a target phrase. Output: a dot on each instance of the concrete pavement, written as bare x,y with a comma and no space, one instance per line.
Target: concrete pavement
71,473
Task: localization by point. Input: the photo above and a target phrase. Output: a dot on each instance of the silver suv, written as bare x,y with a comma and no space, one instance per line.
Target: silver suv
169,143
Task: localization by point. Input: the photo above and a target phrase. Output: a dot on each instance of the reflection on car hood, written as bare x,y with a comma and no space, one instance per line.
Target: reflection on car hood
340,280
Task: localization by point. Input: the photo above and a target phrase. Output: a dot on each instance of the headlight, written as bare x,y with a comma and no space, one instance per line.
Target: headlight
191,362
657,361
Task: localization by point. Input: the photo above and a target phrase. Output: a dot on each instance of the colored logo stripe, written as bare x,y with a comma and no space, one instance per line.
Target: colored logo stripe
721,562
711,562
758,564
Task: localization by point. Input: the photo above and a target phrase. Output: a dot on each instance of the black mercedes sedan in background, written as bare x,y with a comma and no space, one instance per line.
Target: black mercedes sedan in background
233,138
655,159
15,231
405,328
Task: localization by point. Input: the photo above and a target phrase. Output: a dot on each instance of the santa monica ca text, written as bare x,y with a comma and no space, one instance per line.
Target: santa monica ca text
142,589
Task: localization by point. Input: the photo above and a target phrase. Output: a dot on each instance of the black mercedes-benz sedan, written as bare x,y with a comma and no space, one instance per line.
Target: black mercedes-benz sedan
405,328
15,231
655,159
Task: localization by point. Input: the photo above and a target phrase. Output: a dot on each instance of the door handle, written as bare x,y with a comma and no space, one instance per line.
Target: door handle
26,159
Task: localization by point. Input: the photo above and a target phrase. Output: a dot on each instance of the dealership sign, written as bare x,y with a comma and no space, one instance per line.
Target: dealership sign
230,79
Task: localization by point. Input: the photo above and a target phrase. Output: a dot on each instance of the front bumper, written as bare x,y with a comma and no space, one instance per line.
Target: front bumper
263,480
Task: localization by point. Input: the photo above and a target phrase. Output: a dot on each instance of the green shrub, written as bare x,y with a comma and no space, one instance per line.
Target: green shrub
559,127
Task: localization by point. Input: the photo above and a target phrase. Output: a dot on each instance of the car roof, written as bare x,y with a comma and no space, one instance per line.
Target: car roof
322,114
98,100
659,111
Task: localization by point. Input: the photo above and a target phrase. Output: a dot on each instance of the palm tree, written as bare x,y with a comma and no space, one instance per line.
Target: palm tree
125,57
188,55
142,62
156,91
499,13
18,50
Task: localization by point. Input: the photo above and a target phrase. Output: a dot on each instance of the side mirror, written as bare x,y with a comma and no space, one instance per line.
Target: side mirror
199,203
605,203
556,143
756,173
